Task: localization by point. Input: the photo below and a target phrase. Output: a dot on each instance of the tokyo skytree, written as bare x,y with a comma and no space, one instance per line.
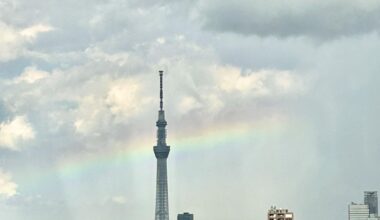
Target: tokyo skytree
161,150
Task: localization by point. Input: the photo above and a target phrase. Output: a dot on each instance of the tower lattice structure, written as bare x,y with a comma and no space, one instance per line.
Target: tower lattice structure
161,151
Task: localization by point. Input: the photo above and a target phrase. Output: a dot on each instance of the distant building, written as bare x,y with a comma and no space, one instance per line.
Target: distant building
358,211
185,216
373,217
279,214
370,199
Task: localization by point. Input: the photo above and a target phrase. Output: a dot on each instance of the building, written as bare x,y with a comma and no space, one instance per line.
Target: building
358,211
185,216
373,217
279,214
161,151
370,199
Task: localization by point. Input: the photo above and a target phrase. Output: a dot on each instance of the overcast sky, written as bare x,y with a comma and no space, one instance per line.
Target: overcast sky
268,102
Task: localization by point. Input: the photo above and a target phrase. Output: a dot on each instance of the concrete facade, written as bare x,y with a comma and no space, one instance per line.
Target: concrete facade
358,211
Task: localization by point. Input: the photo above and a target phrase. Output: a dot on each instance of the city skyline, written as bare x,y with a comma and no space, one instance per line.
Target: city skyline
367,210
268,103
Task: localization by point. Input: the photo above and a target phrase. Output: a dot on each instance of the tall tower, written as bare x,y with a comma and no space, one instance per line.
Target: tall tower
161,150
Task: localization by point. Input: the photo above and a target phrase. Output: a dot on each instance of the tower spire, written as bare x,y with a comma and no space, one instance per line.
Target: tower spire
161,93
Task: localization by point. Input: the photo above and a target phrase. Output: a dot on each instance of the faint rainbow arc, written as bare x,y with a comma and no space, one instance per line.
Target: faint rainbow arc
204,139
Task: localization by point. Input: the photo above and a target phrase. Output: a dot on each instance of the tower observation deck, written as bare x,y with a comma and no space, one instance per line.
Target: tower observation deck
161,151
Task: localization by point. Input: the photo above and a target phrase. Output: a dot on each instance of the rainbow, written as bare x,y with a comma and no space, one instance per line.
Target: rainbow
204,139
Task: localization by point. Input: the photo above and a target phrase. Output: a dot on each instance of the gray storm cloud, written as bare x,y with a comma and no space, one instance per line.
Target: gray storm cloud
293,18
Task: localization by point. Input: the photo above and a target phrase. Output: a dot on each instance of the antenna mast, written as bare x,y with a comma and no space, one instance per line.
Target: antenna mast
161,93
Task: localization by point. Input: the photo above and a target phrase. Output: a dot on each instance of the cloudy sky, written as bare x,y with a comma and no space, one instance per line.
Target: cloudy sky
268,103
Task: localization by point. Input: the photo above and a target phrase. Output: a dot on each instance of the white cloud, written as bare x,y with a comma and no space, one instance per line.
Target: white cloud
13,41
13,133
214,103
230,79
31,74
207,104
257,83
187,104
124,97
92,116
32,31
161,40
7,187
119,200
96,54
